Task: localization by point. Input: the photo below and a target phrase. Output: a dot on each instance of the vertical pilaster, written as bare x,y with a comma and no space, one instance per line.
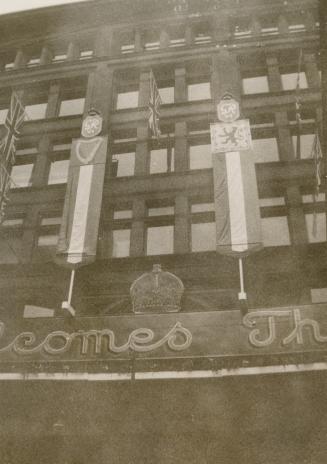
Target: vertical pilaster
105,244
225,76
182,225
73,51
46,55
99,92
311,70
274,78
282,25
29,235
20,59
189,35
53,100
104,43
181,148
220,28
180,84
293,197
42,163
142,150
164,38
138,228
144,88
138,41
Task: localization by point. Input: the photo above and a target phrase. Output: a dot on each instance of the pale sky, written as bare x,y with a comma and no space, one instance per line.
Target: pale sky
10,6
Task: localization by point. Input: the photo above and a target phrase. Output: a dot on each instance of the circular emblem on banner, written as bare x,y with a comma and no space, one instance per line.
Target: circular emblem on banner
92,124
228,109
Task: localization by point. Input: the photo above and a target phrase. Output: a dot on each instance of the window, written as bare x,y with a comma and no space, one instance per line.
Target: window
3,115
86,54
161,211
265,150
275,201
123,214
201,35
72,107
200,156
202,207
127,99
59,58
306,142
319,295
253,85
48,236
203,236
121,243
151,40
316,227
289,81
36,111
21,175
275,231
160,240
198,91
58,173
33,62
123,164
167,95
161,160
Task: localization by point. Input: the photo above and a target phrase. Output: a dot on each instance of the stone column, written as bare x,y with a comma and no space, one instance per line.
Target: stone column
274,77
138,231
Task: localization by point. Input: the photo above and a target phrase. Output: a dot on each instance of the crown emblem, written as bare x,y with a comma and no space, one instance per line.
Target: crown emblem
156,291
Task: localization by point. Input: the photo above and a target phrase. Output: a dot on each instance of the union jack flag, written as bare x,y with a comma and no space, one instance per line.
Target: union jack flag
14,120
154,107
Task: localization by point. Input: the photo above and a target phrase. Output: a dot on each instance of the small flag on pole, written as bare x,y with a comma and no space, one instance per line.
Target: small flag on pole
13,123
316,155
298,108
154,107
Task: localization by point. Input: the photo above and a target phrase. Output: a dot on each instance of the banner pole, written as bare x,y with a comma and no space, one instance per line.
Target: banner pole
67,304
242,294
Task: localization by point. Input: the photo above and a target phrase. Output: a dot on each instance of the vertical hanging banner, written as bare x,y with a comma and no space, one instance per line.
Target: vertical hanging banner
237,212
78,235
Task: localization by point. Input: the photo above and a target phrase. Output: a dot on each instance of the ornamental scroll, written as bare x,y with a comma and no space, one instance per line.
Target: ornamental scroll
270,317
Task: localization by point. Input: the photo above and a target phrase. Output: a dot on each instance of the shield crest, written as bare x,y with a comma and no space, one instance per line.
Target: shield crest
228,110
92,125
86,149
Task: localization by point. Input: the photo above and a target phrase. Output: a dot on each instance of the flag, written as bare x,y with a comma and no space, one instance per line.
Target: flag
13,123
154,107
237,212
78,236
316,155
298,108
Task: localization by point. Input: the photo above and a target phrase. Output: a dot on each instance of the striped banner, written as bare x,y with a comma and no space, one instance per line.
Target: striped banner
78,235
238,224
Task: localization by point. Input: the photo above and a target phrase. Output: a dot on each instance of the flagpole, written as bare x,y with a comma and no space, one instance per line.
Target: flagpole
242,294
67,304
